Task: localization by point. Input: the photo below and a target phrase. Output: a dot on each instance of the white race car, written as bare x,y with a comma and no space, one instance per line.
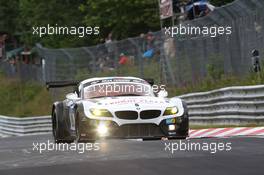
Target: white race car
117,107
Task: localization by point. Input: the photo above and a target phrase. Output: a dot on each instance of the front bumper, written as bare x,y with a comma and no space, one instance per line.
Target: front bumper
140,130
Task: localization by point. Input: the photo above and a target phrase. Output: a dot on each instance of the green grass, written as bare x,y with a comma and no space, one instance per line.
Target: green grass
216,80
23,99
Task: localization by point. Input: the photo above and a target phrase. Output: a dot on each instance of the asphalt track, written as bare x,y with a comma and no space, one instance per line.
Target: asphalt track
132,157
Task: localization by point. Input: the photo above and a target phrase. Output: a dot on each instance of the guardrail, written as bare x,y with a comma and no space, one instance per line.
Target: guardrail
227,106
237,105
12,126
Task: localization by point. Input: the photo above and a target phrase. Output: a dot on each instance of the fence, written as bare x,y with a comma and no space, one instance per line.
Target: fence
103,60
177,61
25,72
227,106
229,54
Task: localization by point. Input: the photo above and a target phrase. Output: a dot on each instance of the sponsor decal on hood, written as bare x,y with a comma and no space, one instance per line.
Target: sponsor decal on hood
129,100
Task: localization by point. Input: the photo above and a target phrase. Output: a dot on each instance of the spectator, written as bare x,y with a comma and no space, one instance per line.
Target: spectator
123,60
198,8
142,41
150,39
169,47
148,54
26,55
100,63
109,38
256,61
108,43
109,64
12,62
110,46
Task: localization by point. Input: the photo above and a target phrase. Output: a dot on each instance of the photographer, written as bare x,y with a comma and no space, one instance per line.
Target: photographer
256,61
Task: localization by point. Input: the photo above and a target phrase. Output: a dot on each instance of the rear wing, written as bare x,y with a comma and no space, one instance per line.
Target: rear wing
150,81
60,84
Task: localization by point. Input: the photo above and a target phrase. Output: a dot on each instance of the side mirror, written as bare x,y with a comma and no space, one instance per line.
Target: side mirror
162,94
72,96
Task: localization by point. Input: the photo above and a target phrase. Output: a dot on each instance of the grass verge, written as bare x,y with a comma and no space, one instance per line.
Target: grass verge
23,99
31,99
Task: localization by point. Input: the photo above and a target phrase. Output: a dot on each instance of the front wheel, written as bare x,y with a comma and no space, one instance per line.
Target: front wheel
57,131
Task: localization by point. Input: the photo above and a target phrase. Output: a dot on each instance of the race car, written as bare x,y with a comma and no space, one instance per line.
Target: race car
117,107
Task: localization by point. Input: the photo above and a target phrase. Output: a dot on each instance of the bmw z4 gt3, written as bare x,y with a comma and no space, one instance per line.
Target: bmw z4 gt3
117,107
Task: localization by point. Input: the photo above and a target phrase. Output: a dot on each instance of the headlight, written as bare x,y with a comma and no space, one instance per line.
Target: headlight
171,111
171,127
100,112
102,130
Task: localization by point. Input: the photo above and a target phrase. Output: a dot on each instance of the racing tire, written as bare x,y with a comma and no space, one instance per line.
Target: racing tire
56,131
178,138
152,139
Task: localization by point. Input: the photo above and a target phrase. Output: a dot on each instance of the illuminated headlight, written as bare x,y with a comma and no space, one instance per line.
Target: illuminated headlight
172,127
171,111
102,129
100,112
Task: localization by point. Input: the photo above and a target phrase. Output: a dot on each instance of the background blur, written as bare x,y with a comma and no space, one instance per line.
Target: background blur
129,45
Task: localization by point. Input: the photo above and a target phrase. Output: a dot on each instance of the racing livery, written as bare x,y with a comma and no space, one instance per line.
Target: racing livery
117,107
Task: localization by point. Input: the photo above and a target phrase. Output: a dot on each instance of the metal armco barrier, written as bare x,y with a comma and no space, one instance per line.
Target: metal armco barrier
12,126
231,106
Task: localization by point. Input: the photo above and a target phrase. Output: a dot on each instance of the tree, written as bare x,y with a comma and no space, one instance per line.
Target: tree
8,15
34,13
125,18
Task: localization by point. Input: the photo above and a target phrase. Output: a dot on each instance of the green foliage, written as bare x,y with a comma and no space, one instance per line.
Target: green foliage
216,79
35,13
8,15
215,67
125,18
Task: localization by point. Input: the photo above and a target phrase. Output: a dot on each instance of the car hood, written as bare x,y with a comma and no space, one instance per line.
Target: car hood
129,103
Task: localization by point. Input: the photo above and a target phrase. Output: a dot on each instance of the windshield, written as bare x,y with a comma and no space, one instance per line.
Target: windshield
117,89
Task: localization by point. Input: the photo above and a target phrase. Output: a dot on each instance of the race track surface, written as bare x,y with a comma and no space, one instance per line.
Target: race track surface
132,157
